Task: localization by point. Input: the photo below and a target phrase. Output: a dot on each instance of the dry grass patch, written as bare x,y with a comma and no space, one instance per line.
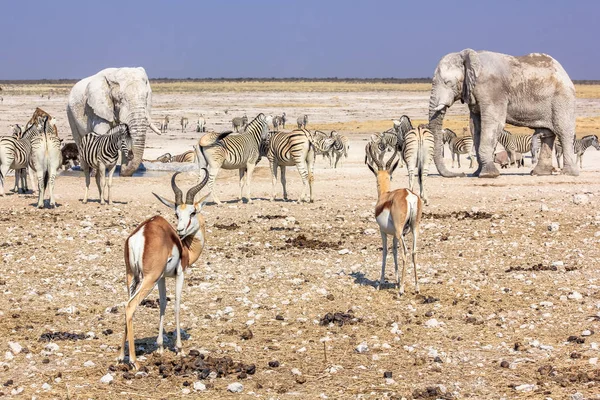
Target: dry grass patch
296,105
587,91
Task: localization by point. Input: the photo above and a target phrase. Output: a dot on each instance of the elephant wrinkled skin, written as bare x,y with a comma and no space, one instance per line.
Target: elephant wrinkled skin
532,91
111,97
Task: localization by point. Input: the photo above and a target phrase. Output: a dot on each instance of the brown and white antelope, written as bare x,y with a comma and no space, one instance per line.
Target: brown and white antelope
155,251
397,212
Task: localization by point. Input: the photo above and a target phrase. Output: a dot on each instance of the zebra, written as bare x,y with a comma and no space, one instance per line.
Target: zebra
20,174
101,152
201,124
579,147
418,153
302,121
164,125
322,147
276,122
188,156
340,147
45,160
294,148
458,145
240,122
241,152
380,143
165,158
283,119
514,144
184,123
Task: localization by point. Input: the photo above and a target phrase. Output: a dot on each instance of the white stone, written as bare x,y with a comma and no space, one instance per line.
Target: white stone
362,348
577,396
15,347
46,386
575,296
546,303
8,356
528,387
235,387
553,227
344,251
543,207
586,333
432,323
228,310
51,347
67,310
108,378
89,364
580,199
199,386
296,371
557,264
594,360
370,231
185,391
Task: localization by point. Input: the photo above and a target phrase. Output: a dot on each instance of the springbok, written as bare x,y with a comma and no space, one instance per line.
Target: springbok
396,212
155,250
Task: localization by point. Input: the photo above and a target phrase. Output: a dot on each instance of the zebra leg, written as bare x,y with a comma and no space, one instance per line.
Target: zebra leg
111,172
452,158
274,167
41,187
249,171
100,181
162,295
86,172
52,177
303,171
580,157
16,188
311,174
242,172
458,159
284,182
383,259
212,176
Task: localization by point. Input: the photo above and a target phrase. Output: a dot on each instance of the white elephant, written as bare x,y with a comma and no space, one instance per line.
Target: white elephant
532,91
111,97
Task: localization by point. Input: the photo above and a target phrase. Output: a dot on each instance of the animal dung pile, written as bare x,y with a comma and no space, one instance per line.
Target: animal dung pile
54,336
339,318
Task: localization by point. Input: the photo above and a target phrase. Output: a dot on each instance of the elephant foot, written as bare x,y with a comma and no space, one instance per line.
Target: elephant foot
488,171
573,171
542,170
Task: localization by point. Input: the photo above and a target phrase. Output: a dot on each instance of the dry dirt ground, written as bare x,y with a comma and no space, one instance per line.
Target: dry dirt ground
507,309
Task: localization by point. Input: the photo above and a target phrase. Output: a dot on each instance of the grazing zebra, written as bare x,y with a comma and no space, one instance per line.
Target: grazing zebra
283,119
184,123
45,160
302,121
240,122
418,153
201,124
101,152
579,147
323,144
164,125
383,142
514,144
20,174
165,158
241,152
188,156
458,145
340,147
293,148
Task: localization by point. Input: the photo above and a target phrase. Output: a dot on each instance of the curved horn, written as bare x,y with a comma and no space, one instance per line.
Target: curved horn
176,190
154,128
373,156
189,197
389,163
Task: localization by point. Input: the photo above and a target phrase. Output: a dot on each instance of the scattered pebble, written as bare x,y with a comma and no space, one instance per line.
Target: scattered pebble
199,386
553,227
235,387
108,378
362,348
15,347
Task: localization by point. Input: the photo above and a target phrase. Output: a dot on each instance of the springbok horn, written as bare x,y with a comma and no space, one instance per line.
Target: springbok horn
373,156
154,128
389,163
189,197
176,190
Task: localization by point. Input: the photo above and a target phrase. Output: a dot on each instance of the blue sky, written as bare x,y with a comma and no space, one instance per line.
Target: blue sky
268,38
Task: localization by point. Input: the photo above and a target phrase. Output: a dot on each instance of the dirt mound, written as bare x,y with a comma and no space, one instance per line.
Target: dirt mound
302,242
339,318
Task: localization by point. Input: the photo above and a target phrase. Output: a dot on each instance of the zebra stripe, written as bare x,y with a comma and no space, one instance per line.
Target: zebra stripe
579,147
292,148
458,145
229,151
188,156
340,147
323,144
45,160
514,144
101,152
418,153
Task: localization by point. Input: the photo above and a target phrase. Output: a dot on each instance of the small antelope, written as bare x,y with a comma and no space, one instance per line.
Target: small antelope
156,250
396,212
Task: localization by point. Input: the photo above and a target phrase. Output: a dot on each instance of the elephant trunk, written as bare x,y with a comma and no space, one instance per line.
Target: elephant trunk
138,124
436,118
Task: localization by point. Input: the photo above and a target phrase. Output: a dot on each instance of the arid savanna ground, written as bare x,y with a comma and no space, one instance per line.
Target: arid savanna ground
509,308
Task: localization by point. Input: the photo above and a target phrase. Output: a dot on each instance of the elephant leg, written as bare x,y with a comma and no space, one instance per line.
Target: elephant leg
565,131
544,165
487,140
475,126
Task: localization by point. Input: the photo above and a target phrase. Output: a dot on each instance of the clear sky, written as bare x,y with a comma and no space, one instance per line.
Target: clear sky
279,38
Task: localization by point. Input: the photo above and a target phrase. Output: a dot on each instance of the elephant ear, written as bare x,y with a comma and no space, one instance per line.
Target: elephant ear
472,67
100,98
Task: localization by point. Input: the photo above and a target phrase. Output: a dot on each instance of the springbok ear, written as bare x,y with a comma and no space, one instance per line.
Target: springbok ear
168,203
200,203
472,67
372,170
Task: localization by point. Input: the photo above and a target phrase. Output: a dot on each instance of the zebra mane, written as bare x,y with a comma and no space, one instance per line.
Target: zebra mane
118,130
588,137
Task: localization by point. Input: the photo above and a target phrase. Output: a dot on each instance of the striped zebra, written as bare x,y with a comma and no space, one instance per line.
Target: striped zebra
101,152
165,158
302,121
45,160
276,122
458,145
514,144
201,124
322,147
579,147
20,174
297,148
418,153
184,123
340,147
164,125
283,119
241,152
188,156
240,123
381,143
15,153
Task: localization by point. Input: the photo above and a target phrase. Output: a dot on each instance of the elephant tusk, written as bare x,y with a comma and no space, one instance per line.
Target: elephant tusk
154,128
440,107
